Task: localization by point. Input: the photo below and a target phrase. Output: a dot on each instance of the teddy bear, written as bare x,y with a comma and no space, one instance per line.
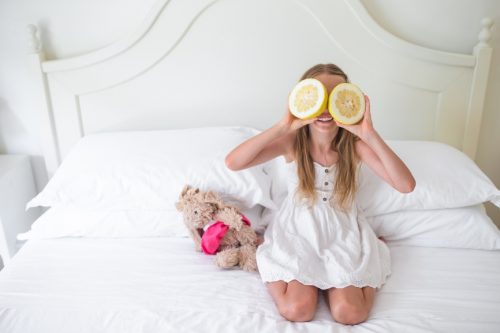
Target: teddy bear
218,228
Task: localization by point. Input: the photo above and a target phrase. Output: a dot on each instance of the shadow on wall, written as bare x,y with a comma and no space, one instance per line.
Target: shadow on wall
10,126
3,107
44,35
12,129
39,171
46,39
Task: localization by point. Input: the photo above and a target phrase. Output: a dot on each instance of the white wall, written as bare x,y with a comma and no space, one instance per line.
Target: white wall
69,28
73,27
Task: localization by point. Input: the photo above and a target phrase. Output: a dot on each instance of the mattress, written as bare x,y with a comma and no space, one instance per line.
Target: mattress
164,285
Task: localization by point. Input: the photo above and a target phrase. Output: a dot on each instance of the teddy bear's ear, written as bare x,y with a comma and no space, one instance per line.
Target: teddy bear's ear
191,191
182,197
185,189
213,198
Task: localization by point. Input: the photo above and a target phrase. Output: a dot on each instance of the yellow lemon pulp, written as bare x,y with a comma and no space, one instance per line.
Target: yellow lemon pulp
308,99
347,103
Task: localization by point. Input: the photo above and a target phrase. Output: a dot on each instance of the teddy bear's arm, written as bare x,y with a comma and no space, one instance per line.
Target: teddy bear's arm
247,236
195,235
230,217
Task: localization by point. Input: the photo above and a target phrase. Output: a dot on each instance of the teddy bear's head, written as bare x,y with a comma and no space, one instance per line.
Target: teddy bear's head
198,208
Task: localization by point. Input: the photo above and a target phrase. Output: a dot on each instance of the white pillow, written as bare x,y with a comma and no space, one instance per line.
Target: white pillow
70,222
146,170
465,227
445,178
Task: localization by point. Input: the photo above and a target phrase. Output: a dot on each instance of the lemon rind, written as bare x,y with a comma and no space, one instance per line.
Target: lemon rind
331,104
319,107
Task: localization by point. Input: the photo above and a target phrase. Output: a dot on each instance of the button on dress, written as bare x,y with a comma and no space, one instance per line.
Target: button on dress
319,245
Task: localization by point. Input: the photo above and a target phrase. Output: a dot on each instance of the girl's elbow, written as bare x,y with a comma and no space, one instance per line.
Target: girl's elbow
230,163
408,187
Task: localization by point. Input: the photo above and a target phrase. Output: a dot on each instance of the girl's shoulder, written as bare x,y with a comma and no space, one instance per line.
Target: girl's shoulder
288,144
289,158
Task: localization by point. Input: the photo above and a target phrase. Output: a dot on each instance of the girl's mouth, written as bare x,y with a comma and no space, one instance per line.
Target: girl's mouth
324,119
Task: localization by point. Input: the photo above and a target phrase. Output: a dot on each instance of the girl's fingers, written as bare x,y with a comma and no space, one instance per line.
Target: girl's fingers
339,124
367,115
302,122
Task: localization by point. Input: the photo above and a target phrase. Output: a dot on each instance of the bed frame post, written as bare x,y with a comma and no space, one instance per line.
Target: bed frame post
48,135
482,52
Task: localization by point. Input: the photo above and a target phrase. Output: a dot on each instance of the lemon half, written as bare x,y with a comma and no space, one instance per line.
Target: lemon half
346,103
308,99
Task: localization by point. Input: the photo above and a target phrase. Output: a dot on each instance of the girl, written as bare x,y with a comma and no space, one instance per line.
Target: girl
319,240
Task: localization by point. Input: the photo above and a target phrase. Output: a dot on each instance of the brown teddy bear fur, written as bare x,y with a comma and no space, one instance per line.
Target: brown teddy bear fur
239,244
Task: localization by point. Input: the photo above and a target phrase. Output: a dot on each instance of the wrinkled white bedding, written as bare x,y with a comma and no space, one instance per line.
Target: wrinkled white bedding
163,285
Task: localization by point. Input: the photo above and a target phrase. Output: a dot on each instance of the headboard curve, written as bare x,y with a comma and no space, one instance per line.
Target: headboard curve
233,62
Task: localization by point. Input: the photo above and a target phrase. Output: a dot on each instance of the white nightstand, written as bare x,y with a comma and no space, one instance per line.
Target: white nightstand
17,187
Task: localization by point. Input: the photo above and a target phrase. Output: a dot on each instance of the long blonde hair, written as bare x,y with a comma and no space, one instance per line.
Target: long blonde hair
346,170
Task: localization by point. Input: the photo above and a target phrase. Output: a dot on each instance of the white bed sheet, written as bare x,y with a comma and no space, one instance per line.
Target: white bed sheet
163,285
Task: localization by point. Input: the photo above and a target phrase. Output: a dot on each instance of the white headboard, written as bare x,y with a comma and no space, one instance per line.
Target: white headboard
233,62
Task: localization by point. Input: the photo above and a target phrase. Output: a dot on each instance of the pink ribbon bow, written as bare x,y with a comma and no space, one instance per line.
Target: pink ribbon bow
210,241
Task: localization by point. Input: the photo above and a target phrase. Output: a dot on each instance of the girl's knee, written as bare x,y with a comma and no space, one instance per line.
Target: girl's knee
301,310
349,313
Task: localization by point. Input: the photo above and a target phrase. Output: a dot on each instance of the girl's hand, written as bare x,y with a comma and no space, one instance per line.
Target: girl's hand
363,129
292,123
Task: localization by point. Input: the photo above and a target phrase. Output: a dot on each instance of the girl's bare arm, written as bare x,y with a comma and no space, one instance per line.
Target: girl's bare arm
274,141
380,157
373,150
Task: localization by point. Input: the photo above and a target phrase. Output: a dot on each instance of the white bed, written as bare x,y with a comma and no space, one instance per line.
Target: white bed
209,63
161,285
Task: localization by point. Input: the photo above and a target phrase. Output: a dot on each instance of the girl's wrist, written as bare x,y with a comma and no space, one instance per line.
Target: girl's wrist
370,136
282,128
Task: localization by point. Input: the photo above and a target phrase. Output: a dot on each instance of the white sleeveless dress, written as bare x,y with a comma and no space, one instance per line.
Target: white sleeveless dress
319,246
